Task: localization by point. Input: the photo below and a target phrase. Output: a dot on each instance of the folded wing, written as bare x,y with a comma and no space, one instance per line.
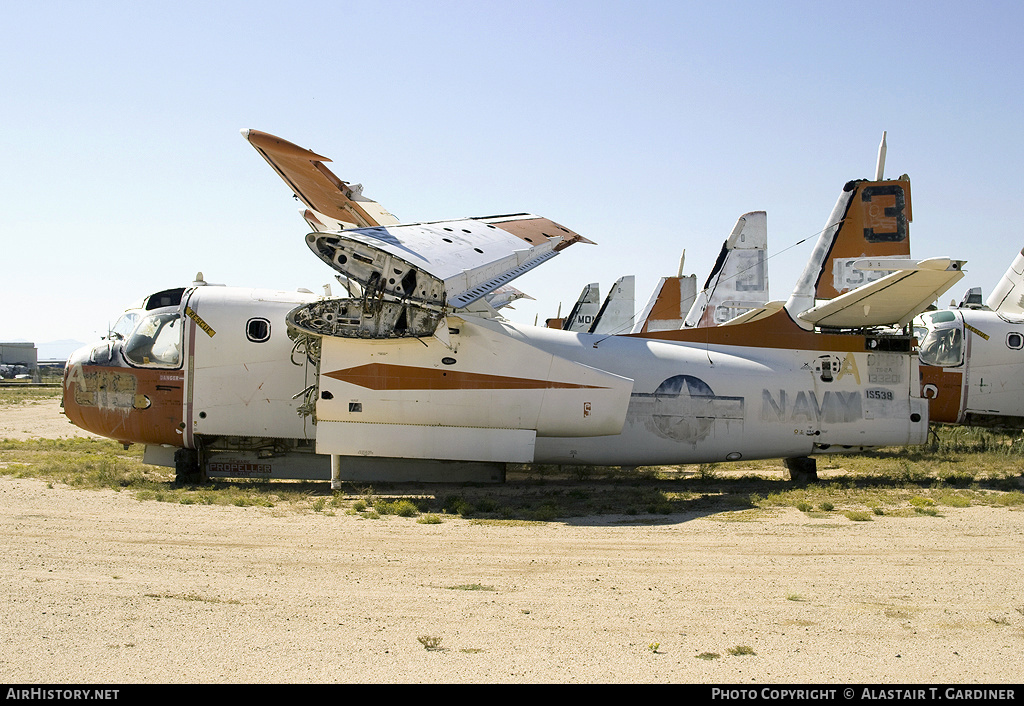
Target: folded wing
335,203
448,264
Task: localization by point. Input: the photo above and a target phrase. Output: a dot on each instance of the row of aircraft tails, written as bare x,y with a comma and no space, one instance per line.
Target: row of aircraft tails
411,372
738,284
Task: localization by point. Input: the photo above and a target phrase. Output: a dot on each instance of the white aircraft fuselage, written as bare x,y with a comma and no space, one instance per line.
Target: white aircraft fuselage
972,366
214,369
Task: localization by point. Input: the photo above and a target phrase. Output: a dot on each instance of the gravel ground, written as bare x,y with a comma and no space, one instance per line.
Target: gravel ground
99,587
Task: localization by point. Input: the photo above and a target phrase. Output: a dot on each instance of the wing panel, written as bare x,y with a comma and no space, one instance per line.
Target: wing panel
456,262
315,185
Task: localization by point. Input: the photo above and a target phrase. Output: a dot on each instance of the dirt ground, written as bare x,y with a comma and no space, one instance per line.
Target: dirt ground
99,587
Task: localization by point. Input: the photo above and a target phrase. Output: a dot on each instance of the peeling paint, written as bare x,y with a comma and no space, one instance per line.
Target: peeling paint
885,369
835,407
107,389
685,408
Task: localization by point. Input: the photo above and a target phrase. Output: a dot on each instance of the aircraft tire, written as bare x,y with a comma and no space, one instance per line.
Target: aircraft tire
186,466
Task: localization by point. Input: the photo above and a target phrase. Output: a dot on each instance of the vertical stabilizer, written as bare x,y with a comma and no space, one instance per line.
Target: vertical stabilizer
871,219
617,312
739,281
584,311
665,310
1008,296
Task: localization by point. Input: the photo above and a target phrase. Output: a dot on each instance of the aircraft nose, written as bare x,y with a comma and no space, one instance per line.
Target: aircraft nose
104,395
74,362
72,373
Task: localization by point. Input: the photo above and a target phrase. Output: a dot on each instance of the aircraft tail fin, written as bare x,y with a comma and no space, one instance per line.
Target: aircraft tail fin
871,219
1008,295
669,302
739,280
585,310
617,311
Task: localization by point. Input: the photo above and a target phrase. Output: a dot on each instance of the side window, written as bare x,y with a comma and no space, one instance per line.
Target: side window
1014,340
257,330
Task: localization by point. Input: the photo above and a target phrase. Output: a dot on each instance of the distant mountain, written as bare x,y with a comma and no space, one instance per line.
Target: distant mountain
57,350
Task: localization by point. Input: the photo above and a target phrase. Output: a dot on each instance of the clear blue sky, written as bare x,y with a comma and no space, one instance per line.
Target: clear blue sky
648,127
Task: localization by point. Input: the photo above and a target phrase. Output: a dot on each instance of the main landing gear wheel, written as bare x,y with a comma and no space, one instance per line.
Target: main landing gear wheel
802,470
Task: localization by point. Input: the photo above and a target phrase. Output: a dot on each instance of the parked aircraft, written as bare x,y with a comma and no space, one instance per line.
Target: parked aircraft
583,313
416,376
738,283
669,302
972,356
870,221
612,316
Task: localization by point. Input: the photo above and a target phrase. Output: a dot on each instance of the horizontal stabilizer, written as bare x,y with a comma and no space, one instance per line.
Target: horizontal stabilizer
894,299
756,314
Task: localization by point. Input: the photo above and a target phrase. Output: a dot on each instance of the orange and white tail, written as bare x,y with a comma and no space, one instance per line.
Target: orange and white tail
871,219
671,299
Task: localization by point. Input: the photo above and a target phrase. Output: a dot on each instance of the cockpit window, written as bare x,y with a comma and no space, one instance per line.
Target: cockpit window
156,341
168,297
125,324
940,317
943,347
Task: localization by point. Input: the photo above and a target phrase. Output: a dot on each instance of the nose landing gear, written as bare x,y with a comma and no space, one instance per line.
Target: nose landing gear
186,466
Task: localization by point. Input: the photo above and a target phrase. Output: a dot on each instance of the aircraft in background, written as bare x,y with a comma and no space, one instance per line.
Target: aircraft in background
669,302
584,311
865,237
737,284
414,376
614,315
972,356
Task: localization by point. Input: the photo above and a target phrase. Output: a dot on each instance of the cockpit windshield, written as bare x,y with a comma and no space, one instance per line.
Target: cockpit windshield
124,325
942,347
156,341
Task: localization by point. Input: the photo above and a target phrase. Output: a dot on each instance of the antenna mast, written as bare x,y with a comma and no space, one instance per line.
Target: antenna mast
881,159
